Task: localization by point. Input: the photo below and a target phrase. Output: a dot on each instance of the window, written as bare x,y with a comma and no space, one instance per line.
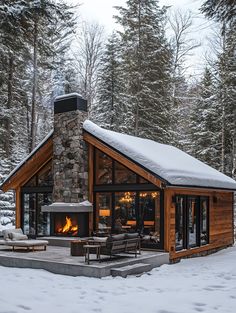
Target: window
104,212
36,193
179,221
204,220
103,168
108,172
191,221
125,202
123,175
125,212
45,176
42,178
192,212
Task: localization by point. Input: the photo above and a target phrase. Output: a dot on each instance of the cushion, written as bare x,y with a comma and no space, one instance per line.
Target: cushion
118,237
27,243
14,231
18,236
7,233
131,235
100,239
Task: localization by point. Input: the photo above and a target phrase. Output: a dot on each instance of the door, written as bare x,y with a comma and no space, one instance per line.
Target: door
34,222
191,221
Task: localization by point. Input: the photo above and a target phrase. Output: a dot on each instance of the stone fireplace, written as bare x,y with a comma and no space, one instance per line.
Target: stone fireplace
70,211
70,220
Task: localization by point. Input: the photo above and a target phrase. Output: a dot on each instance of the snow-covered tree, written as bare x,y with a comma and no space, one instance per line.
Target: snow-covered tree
205,122
224,12
147,66
110,111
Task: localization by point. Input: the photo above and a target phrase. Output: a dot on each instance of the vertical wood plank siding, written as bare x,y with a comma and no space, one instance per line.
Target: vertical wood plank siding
220,221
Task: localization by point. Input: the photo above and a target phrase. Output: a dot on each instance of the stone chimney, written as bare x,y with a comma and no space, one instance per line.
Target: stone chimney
70,155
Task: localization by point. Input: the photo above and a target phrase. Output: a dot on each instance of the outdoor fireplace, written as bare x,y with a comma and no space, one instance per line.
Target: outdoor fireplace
69,219
69,224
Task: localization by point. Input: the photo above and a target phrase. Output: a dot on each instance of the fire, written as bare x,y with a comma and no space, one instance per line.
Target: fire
68,227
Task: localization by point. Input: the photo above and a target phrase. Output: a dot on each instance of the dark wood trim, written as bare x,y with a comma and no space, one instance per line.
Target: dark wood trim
39,189
127,187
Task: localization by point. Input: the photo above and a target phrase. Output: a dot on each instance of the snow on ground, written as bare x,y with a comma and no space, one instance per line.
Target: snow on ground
206,284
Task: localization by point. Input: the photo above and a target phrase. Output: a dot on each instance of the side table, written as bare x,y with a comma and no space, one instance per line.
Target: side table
89,249
77,247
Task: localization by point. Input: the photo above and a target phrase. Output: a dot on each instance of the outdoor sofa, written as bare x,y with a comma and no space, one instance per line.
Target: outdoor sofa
16,238
116,244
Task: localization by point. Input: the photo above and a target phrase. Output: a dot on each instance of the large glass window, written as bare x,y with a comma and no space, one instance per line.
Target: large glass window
129,212
109,171
149,210
126,202
45,176
125,212
42,178
191,221
36,193
103,168
34,222
104,212
123,175
179,228
29,218
43,218
204,220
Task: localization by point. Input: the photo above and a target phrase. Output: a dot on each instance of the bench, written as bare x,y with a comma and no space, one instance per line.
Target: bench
116,244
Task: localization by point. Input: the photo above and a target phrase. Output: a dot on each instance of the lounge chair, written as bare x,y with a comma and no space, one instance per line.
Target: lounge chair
16,238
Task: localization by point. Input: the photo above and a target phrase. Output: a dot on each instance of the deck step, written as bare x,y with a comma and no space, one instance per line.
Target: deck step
132,269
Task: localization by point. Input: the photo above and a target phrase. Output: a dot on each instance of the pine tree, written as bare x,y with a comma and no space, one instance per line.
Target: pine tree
224,12
147,63
205,125
110,111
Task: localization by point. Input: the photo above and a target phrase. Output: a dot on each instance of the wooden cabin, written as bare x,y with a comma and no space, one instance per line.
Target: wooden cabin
92,180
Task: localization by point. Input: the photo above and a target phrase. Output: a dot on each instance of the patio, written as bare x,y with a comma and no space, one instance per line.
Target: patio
59,261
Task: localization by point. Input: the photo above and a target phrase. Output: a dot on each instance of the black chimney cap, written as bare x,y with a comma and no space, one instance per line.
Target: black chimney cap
70,102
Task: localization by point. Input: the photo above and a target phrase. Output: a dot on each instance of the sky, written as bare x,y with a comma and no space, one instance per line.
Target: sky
102,11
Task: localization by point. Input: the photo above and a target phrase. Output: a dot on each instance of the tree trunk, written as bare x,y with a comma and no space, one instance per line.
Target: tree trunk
136,132
9,106
35,83
223,141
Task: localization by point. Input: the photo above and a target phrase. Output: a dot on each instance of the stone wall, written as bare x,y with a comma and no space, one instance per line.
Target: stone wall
70,158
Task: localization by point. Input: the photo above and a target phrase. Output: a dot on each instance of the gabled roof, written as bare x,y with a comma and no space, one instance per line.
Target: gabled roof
167,162
172,165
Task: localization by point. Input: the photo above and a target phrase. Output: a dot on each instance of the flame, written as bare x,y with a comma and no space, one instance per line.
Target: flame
68,227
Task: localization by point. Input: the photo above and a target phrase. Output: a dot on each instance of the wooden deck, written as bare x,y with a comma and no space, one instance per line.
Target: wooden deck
59,261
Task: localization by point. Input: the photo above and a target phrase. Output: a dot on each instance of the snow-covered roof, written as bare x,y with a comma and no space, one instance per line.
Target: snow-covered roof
167,162
29,156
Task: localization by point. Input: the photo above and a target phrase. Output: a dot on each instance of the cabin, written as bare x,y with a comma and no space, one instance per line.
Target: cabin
83,180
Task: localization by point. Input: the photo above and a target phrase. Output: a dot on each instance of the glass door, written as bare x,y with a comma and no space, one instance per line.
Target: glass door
129,212
29,214
192,215
34,222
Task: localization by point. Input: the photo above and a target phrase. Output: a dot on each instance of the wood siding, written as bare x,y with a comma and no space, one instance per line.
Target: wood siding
220,220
